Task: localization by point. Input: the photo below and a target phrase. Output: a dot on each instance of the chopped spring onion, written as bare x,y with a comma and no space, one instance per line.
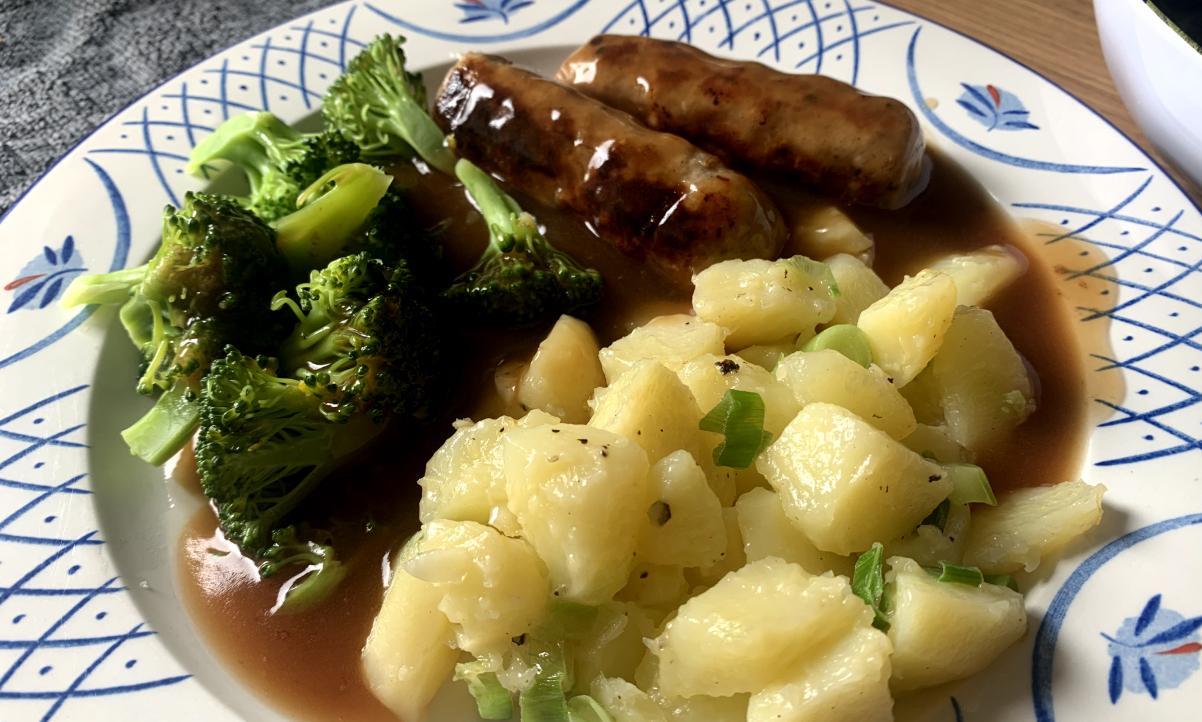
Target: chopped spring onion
492,700
845,338
739,416
938,518
868,582
544,700
567,620
969,485
1002,580
819,272
583,708
956,574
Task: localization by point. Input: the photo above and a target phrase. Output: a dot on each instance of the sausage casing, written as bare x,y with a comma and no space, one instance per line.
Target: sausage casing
861,148
653,195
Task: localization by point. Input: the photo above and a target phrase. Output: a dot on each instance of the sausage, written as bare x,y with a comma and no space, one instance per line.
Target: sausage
860,148
655,196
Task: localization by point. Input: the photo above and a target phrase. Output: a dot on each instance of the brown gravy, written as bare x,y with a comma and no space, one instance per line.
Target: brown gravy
308,664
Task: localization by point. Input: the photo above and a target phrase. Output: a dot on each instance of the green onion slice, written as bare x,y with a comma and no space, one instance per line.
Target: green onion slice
868,582
969,485
544,700
956,574
938,517
818,271
846,339
739,416
583,708
1002,580
492,700
567,620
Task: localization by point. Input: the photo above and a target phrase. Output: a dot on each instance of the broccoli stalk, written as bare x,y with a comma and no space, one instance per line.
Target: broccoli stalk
320,576
520,278
278,161
381,106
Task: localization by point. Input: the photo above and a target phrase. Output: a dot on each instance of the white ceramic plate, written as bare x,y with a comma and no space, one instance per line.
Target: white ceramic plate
90,625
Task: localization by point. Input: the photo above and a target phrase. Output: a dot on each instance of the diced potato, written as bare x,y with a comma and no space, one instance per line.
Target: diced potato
409,654
624,702
906,327
710,377
656,587
686,527
846,682
563,372
613,645
982,274
984,388
651,407
825,230
699,709
937,442
762,301
1029,525
859,287
944,631
672,340
732,558
846,484
830,377
753,629
492,587
768,355
929,545
767,532
464,479
925,399
581,496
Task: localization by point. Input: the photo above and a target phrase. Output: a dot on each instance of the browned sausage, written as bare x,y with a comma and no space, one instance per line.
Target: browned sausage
861,148
653,195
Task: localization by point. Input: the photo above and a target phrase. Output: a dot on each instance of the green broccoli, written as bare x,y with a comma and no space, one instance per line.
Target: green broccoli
278,161
367,342
381,106
209,284
520,278
320,575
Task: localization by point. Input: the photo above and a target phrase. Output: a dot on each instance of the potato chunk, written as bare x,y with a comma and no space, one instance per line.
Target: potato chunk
846,484
625,702
943,631
752,629
710,377
762,301
613,644
651,407
846,682
936,442
492,587
982,274
825,230
581,496
563,372
983,385
1029,525
672,340
859,287
685,520
928,544
906,327
830,377
767,532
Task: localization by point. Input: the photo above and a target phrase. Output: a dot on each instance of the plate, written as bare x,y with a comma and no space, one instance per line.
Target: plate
90,625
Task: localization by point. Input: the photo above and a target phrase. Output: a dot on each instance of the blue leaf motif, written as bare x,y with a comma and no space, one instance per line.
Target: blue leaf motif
51,293
1175,632
50,255
68,249
1116,679
477,10
24,297
1149,613
1148,677
995,108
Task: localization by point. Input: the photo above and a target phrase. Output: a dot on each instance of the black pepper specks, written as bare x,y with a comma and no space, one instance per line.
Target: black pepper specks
726,366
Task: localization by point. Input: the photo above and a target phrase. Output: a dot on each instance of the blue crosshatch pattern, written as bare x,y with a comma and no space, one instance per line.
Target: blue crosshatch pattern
295,63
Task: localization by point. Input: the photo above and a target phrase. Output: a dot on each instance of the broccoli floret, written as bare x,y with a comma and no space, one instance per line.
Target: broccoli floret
367,342
278,161
319,574
209,284
520,278
392,234
381,106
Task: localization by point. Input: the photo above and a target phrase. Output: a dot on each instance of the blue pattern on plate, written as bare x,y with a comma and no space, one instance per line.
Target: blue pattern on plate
477,10
995,108
1155,651
43,278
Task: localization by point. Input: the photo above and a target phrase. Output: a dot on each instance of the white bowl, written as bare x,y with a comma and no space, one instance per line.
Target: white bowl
1157,73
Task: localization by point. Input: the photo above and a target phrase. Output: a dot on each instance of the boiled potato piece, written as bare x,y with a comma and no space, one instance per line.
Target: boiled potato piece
651,407
753,629
906,327
409,652
829,376
943,631
859,287
563,372
657,587
825,230
768,355
984,388
846,682
625,702
846,484
464,479
762,301
672,340
710,377
928,544
732,558
686,527
936,442
1029,525
492,587
982,274
613,645
580,495
925,398
767,532
698,709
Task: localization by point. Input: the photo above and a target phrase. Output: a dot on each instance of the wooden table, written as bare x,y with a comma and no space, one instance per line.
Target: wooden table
1056,37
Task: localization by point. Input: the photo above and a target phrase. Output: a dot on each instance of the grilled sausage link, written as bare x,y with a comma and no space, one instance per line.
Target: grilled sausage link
861,148
653,195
